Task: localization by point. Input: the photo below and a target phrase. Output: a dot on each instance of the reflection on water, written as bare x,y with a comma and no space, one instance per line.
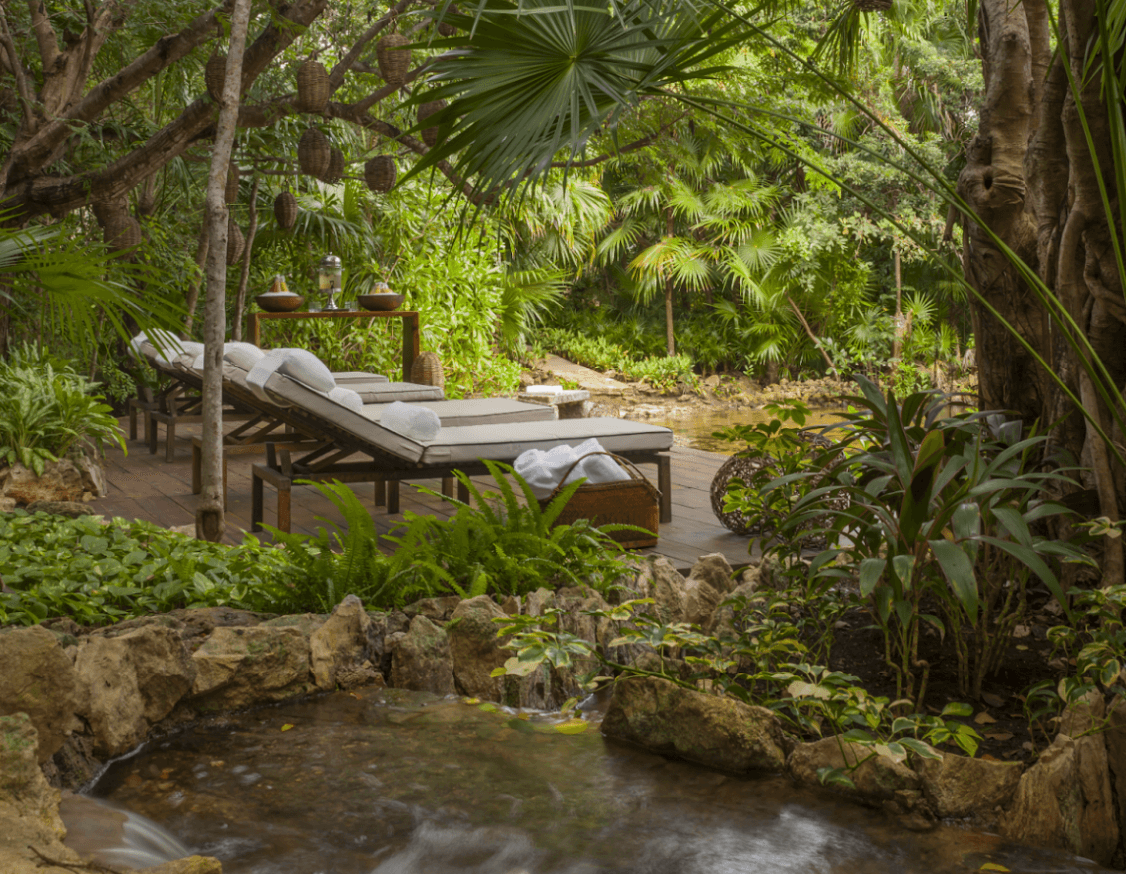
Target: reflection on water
697,427
404,783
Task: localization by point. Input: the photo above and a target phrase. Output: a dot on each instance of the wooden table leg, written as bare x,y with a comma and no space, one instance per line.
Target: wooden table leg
392,496
410,344
664,485
380,495
197,468
448,486
462,492
256,508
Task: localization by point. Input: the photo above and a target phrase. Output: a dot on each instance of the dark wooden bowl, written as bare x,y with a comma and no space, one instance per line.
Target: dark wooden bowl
280,303
384,301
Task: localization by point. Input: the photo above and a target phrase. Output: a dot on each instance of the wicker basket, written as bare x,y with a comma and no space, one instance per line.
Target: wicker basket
236,242
430,134
285,210
394,61
379,173
230,193
627,502
121,232
335,168
313,153
312,87
427,370
872,5
215,74
736,467
445,28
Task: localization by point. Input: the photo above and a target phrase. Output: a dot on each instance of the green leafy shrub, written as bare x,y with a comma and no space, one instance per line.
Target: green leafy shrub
98,573
48,410
596,351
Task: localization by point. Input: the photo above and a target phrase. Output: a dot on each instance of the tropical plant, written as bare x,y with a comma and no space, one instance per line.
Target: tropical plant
47,411
935,518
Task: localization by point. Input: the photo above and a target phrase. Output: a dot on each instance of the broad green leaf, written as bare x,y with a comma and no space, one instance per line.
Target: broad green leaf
959,571
871,569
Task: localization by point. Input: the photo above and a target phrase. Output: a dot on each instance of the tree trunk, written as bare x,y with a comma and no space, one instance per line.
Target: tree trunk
191,299
670,228
244,275
209,521
1030,176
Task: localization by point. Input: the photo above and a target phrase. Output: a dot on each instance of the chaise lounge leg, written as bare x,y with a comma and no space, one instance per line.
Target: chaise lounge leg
393,496
448,486
380,496
664,485
255,500
462,492
132,420
283,504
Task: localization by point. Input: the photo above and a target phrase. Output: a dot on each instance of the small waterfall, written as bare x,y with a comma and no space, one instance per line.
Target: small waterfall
116,837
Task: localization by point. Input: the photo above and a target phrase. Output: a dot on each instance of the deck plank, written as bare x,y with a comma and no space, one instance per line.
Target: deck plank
144,486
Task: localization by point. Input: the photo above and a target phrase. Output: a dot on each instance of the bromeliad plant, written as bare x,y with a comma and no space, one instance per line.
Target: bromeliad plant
939,530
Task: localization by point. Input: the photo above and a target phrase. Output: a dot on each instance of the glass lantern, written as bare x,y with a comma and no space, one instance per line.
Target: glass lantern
329,271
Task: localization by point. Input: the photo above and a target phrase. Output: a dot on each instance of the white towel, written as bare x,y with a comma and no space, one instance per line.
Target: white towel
346,397
261,372
543,470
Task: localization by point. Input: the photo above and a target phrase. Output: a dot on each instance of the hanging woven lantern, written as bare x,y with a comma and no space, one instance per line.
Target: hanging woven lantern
335,168
872,5
430,134
236,242
394,61
313,153
230,193
445,28
312,87
379,173
121,232
427,370
285,210
215,74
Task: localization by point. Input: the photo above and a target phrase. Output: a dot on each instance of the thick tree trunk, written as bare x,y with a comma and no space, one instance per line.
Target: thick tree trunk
209,521
1030,176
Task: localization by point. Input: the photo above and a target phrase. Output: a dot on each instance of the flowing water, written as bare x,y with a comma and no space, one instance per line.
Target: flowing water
387,782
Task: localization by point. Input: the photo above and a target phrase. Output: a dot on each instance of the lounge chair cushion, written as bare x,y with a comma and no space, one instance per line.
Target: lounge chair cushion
347,377
455,445
457,413
389,392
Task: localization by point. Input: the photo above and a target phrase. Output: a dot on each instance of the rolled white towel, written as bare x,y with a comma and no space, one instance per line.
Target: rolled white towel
418,423
305,367
346,397
260,373
544,390
244,355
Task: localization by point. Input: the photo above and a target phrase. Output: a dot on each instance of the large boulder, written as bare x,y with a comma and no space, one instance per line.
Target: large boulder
725,619
717,732
476,650
420,658
874,777
659,580
960,786
342,650
133,681
1065,799
63,480
240,667
700,601
29,807
39,680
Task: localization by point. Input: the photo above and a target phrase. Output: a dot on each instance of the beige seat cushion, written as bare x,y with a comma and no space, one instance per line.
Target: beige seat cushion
454,414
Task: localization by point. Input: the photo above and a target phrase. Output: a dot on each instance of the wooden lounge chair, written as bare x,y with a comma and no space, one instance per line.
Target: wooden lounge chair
389,457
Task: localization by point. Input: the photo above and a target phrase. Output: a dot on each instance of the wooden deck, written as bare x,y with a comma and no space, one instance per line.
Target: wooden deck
144,486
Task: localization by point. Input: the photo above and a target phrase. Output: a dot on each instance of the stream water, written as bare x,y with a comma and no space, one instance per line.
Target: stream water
696,427
391,782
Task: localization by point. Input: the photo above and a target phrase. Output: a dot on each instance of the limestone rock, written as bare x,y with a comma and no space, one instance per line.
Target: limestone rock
475,649
662,582
29,807
724,621
767,574
70,509
39,680
717,732
538,602
134,681
434,609
879,778
700,601
239,667
420,658
62,480
1064,801
959,786
187,865
342,644
714,570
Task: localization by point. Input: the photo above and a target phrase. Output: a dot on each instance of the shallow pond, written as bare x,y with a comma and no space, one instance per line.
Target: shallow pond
696,426
389,782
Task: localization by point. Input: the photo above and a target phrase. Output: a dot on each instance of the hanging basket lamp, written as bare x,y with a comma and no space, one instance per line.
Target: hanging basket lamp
335,169
285,210
313,153
430,134
236,242
379,173
121,232
427,370
312,87
393,59
445,28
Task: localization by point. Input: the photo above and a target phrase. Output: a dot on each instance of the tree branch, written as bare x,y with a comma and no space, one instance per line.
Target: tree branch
336,77
17,72
44,34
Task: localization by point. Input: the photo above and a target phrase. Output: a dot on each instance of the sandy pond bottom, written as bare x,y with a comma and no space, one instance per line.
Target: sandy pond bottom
391,782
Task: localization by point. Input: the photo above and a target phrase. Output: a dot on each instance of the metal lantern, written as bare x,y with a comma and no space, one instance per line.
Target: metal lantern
329,271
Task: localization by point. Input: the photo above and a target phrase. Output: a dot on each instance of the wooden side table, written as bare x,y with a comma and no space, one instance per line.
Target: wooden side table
410,328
